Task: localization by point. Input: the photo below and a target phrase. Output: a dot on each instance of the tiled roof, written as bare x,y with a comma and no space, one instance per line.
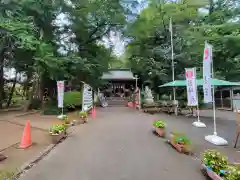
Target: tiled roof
118,74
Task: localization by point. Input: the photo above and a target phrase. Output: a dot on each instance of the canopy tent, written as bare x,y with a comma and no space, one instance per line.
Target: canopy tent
215,82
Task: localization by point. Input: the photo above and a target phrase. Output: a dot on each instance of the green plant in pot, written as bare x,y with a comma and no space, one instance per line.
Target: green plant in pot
233,172
159,124
182,139
83,115
181,142
57,129
160,127
215,161
66,120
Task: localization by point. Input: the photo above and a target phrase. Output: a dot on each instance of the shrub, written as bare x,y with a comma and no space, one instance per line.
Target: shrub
51,108
215,160
35,104
72,99
159,124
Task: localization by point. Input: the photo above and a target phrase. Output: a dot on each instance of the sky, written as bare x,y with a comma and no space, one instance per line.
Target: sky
115,37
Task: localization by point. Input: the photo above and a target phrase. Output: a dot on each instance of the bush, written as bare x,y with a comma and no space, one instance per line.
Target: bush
35,104
72,99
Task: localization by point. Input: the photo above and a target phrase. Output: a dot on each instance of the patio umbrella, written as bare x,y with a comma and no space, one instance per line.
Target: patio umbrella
215,82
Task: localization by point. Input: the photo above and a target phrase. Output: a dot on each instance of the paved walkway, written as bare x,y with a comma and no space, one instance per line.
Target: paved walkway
119,145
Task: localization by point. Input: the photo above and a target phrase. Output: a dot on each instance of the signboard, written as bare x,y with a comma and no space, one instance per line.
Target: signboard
87,99
191,86
207,60
60,91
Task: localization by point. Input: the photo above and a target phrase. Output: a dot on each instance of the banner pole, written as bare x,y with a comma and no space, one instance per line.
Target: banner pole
214,107
214,139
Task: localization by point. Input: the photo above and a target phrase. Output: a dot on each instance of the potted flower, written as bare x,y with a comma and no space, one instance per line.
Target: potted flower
66,120
215,164
160,127
83,116
57,132
180,142
233,172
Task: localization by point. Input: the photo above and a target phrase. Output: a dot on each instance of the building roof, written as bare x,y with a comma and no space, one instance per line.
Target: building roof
118,74
215,82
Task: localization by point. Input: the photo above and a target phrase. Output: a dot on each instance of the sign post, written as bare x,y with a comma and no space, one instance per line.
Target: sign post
87,99
208,87
60,92
192,93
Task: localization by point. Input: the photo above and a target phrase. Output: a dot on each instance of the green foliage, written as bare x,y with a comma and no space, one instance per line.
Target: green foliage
72,99
149,51
35,104
57,129
83,114
233,172
215,160
159,124
66,119
181,139
6,175
37,45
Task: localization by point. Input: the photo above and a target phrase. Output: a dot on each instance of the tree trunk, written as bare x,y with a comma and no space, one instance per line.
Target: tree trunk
30,97
12,90
1,78
211,7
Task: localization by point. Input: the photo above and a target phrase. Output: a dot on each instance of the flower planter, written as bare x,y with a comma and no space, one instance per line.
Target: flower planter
210,173
56,138
180,147
160,131
79,121
83,120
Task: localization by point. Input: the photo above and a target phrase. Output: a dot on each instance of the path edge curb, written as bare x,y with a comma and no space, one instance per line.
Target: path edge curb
33,161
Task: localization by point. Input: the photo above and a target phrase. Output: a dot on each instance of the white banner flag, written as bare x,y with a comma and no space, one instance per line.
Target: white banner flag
87,99
191,86
207,60
60,91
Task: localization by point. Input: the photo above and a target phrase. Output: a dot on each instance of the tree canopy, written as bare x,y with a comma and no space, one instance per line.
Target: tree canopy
45,41
149,52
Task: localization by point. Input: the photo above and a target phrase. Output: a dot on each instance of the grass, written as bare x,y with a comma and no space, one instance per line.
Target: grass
7,175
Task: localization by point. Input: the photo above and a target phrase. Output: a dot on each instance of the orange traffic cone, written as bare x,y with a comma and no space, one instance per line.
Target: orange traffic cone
94,112
26,138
